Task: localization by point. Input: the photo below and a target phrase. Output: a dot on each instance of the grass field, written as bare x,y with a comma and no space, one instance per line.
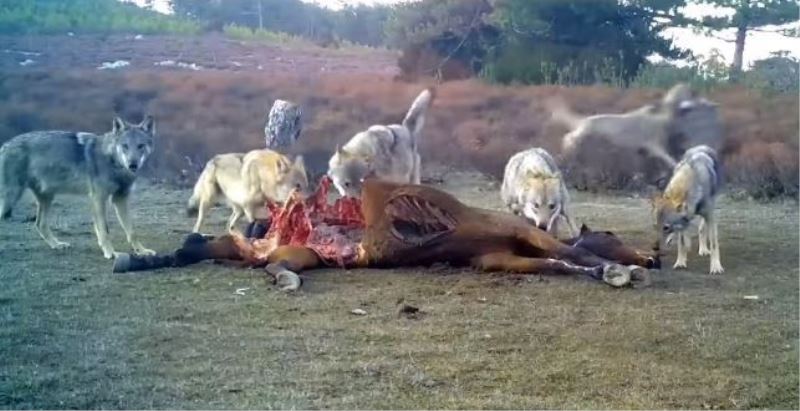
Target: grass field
73,335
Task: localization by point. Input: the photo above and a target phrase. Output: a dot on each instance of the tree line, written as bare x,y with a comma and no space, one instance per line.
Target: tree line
527,41
531,41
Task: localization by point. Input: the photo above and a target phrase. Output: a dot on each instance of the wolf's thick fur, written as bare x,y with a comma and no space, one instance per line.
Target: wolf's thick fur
533,186
692,191
387,152
646,128
61,162
246,181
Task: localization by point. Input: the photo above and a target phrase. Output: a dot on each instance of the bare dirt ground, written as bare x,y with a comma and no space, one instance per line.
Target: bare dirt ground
208,52
73,335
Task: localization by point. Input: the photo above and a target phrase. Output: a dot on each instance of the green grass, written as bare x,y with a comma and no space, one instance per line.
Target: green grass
266,36
87,16
72,335
278,38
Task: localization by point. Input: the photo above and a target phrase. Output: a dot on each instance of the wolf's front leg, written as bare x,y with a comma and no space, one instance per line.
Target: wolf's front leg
99,203
716,265
573,229
121,207
416,172
702,232
684,243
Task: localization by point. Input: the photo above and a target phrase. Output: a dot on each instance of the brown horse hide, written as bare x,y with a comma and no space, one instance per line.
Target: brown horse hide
397,225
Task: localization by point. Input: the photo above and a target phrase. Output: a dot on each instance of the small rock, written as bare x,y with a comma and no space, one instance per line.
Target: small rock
358,311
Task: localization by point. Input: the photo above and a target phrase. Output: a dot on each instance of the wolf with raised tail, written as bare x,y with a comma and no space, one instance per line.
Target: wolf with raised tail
105,167
387,152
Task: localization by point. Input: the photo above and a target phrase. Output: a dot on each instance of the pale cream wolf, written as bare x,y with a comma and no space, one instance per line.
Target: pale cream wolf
692,191
533,187
387,152
61,162
247,181
647,128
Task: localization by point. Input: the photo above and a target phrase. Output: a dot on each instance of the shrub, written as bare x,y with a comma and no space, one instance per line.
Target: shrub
471,123
86,16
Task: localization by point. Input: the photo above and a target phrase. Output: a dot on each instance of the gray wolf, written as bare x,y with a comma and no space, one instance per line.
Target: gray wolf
246,181
62,162
646,128
692,191
386,152
533,187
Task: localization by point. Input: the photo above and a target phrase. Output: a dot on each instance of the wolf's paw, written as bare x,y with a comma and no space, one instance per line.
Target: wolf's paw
640,277
60,245
679,264
703,251
616,275
144,251
716,268
109,254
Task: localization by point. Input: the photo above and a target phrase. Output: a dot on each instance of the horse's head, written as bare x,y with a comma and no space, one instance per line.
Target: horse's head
607,245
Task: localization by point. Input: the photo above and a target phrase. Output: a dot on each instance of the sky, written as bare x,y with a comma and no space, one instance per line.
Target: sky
758,45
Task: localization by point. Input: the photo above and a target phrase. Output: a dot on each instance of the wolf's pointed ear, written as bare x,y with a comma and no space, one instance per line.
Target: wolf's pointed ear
299,162
118,125
655,199
148,125
585,229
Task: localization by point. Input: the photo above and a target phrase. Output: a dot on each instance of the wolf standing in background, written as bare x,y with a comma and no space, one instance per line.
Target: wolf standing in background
533,186
387,152
692,191
645,128
61,162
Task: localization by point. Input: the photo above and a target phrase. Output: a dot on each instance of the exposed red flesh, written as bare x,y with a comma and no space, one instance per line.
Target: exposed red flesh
332,231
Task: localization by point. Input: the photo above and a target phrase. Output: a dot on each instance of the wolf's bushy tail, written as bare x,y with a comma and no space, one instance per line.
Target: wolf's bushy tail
415,118
206,186
561,112
12,179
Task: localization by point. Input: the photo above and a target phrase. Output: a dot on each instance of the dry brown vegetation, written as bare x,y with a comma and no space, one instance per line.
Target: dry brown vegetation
471,123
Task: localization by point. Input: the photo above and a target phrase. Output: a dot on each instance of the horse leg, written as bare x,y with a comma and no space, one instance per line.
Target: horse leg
613,274
288,260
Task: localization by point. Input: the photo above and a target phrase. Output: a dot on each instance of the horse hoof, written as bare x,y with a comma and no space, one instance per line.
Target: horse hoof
616,275
640,277
286,280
